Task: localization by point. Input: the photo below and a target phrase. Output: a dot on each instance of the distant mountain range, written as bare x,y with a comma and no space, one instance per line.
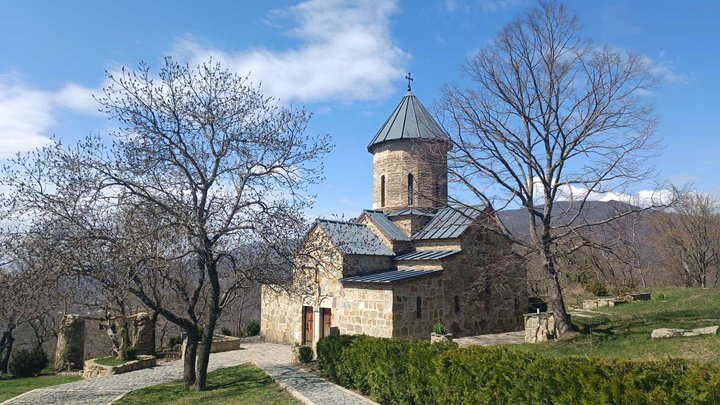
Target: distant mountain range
517,220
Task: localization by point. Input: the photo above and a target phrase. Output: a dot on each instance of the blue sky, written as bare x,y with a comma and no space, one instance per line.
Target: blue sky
344,61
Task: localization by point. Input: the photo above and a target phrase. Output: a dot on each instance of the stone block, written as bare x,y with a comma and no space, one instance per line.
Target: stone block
664,333
70,349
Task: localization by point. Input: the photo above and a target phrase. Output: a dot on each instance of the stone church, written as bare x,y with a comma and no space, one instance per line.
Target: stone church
407,264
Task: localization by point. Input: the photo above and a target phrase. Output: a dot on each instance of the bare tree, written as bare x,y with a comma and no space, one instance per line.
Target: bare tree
201,164
26,297
689,238
551,117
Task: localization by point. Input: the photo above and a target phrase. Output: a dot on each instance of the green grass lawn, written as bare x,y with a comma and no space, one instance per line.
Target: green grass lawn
12,387
244,384
624,330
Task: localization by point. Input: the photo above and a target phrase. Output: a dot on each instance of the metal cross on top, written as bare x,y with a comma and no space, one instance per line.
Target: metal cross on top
409,79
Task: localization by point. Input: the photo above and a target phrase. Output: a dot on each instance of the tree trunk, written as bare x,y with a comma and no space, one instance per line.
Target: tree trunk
207,263
190,357
557,303
204,358
6,345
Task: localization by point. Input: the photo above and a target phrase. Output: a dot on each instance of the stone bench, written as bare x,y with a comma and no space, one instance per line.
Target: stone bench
602,302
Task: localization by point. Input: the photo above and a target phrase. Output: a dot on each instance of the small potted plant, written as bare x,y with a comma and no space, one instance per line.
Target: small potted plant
439,334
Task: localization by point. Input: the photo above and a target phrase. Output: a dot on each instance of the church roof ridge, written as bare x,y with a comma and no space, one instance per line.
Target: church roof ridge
409,120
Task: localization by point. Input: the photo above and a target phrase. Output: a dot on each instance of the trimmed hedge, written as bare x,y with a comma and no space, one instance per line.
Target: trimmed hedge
389,370
398,371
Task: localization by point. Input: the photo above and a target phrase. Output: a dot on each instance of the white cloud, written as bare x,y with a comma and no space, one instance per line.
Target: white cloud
27,114
664,70
486,6
345,53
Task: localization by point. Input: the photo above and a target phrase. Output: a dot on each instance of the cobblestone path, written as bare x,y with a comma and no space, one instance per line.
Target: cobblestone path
274,359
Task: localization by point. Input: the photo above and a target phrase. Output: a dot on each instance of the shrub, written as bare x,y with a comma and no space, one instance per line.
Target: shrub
252,328
226,331
175,340
596,288
330,350
439,329
130,353
305,354
397,371
369,363
478,375
29,363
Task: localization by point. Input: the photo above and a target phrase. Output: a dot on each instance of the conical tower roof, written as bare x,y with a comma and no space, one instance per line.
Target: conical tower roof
409,120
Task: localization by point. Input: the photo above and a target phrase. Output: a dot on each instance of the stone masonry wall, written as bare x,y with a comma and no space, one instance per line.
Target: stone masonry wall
365,309
280,317
281,312
489,283
411,224
442,244
407,324
395,160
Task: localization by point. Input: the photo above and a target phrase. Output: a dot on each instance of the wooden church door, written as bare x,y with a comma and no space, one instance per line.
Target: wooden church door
326,321
307,325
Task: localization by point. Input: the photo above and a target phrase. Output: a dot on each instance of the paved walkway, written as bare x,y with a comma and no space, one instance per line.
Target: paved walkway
507,338
274,359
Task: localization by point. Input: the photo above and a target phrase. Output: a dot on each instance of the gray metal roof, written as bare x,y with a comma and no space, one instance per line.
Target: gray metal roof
448,223
409,120
387,227
427,255
354,239
389,276
410,211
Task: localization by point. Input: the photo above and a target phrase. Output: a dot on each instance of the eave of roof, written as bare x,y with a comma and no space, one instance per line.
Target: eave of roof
389,277
410,211
427,255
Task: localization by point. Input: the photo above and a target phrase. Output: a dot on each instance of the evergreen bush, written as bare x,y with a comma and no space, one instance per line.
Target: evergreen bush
399,371
252,328
305,354
28,363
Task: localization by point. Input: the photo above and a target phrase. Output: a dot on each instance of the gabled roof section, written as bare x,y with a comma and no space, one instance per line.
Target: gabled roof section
410,211
409,120
449,223
387,227
389,276
354,239
427,255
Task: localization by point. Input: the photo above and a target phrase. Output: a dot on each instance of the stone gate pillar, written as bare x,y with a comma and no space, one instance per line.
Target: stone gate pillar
70,350
539,327
144,334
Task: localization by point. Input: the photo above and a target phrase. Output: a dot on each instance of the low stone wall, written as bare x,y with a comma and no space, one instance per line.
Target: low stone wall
92,369
221,343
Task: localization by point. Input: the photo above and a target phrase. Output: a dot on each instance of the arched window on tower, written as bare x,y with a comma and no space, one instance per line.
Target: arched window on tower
382,190
410,189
